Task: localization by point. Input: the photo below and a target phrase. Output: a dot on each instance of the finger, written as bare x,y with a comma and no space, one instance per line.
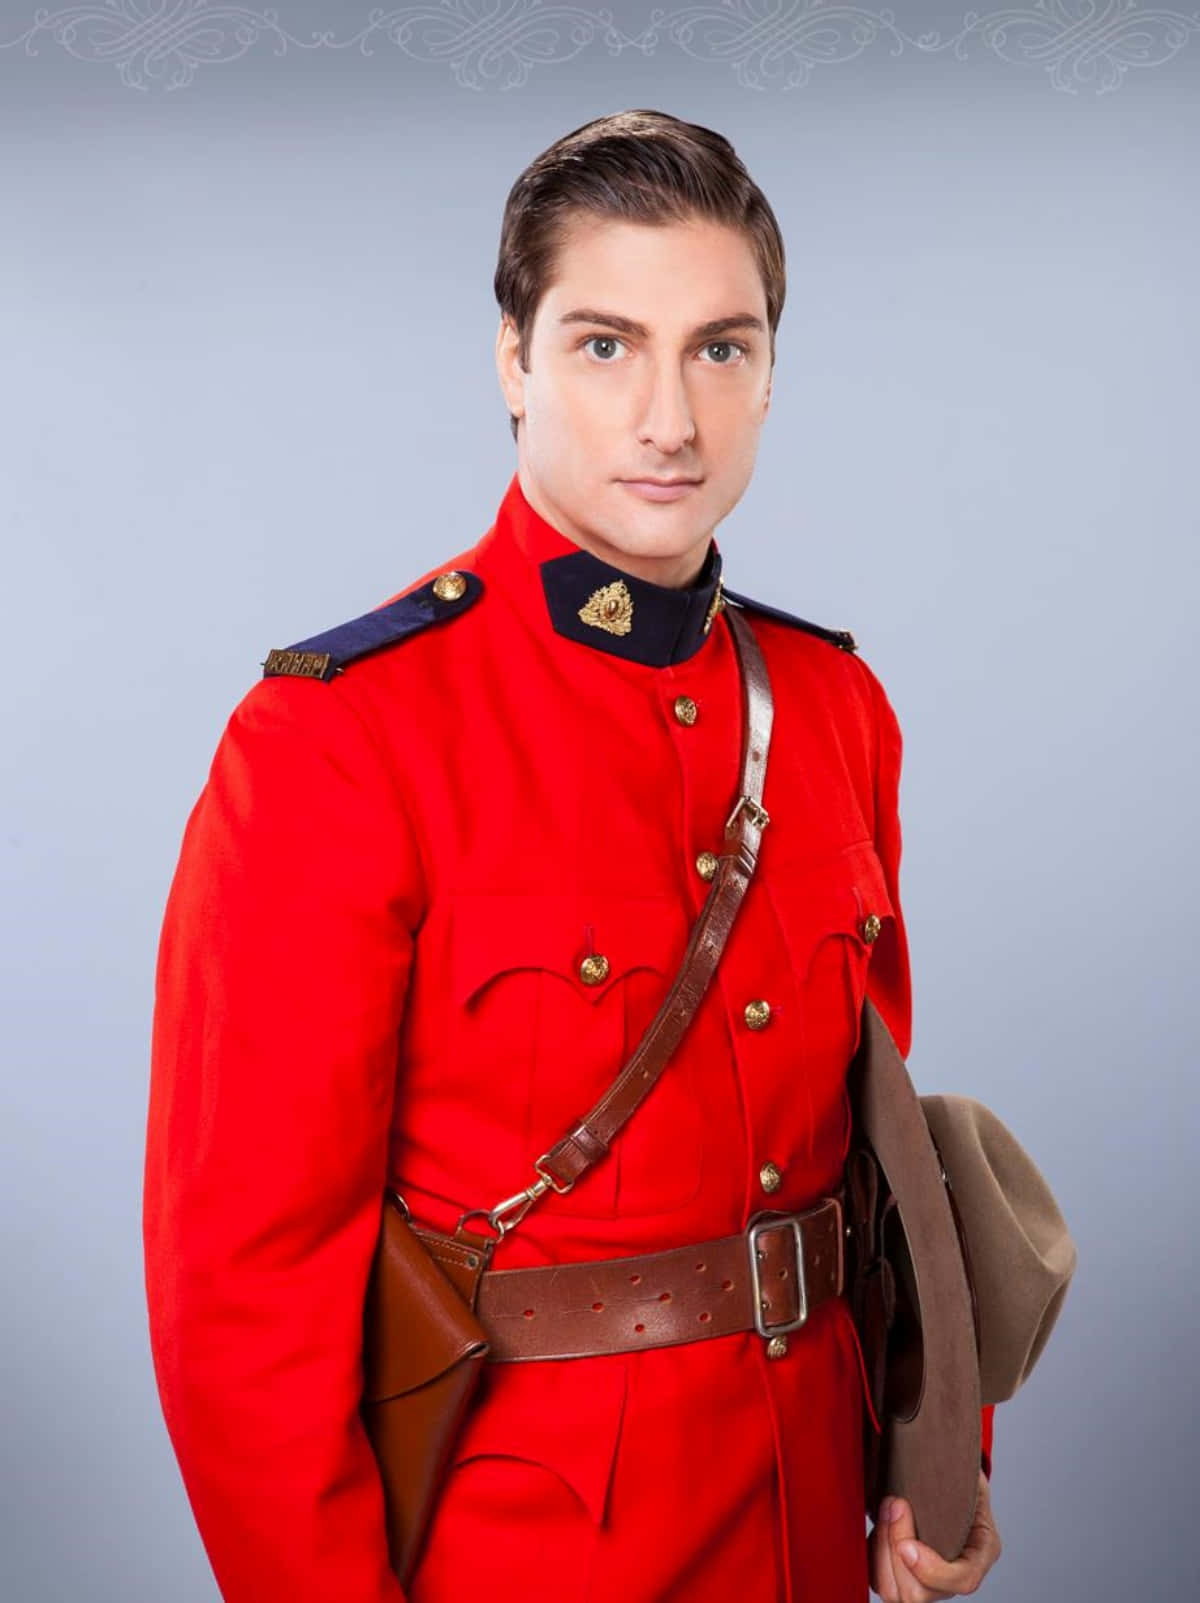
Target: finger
882,1582
911,1580
883,1576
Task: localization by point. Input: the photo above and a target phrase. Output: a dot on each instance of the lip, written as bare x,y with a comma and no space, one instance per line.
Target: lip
656,490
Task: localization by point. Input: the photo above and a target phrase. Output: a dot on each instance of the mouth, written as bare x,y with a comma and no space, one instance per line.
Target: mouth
660,489
663,483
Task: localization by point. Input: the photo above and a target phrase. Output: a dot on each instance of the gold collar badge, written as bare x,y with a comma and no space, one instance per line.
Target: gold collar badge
609,608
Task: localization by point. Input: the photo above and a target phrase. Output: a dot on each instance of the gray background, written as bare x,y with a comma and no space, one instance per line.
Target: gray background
249,392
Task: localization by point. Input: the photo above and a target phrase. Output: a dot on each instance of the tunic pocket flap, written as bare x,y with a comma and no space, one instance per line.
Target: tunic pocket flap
844,894
590,941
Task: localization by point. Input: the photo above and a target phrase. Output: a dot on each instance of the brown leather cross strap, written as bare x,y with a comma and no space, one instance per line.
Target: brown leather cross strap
769,1277
589,1139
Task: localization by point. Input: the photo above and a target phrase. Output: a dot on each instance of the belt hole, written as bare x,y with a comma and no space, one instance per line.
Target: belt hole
726,1285
596,1307
528,1313
664,1296
704,1318
634,1280
639,1328
701,1266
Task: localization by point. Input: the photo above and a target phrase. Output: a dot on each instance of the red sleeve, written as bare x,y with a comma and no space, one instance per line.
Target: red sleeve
282,970
889,979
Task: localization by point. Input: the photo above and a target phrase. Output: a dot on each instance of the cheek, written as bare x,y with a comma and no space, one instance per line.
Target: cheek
728,454
567,442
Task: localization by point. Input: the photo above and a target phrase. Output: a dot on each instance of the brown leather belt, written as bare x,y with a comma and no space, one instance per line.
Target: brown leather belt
769,1277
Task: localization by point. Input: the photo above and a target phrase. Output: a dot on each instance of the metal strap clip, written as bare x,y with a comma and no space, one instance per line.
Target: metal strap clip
519,1204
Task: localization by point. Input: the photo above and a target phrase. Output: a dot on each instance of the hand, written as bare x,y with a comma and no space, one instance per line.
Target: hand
929,1576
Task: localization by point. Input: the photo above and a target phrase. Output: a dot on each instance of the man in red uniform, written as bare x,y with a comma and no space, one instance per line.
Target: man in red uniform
441,874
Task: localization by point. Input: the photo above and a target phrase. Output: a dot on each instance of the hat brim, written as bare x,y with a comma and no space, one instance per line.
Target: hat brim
931,1447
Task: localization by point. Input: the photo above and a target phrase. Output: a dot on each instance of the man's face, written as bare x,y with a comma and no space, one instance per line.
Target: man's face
605,403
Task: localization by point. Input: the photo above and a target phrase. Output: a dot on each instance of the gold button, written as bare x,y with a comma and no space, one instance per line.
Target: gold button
757,1015
449,586
594,969
685,709
871,927
777,1347
770,1177
707,864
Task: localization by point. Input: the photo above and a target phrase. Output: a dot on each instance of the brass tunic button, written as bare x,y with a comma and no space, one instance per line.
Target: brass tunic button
871,927
757,1015
686,710
594,969
777,1347
707,864
449,586
770,1177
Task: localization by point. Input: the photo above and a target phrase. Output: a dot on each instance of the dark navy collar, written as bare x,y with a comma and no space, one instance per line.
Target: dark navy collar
601,605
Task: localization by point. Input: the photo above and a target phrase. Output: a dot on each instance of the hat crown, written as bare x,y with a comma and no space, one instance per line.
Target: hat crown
1022,1255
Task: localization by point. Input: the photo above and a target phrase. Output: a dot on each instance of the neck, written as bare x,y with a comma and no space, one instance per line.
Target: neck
675,571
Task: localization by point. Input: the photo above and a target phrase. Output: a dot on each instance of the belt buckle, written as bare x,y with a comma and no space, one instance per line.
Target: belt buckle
759,1224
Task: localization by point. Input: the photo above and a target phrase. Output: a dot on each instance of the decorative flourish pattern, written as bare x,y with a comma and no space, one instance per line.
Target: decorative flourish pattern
152,44
496,43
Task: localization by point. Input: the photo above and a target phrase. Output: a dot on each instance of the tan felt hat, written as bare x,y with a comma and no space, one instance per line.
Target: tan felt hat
959,1263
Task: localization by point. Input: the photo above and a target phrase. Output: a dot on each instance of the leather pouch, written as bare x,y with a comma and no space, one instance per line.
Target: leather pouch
423,1355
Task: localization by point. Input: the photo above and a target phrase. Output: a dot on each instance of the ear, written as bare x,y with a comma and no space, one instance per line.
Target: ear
508,369
767,397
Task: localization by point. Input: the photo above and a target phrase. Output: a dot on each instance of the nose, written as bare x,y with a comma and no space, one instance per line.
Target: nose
667,421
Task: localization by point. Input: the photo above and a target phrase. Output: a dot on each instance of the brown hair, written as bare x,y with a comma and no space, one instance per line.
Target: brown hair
640,166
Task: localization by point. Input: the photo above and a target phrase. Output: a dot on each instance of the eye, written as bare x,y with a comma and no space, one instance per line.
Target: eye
726,345
604,339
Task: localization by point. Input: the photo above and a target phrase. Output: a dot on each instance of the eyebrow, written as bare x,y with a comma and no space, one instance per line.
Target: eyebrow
626,325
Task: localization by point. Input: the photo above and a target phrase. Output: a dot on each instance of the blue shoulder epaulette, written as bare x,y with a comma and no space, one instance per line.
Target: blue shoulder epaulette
839,637
324,655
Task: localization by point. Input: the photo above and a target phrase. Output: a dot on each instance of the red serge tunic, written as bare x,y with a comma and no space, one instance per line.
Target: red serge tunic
370,972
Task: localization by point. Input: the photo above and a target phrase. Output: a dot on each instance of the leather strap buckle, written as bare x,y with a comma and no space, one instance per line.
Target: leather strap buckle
758,813
755,1229
795,1223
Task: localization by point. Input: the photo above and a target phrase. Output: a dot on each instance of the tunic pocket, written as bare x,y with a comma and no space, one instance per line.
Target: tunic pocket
552,993
527,1489
507,1529
832,911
